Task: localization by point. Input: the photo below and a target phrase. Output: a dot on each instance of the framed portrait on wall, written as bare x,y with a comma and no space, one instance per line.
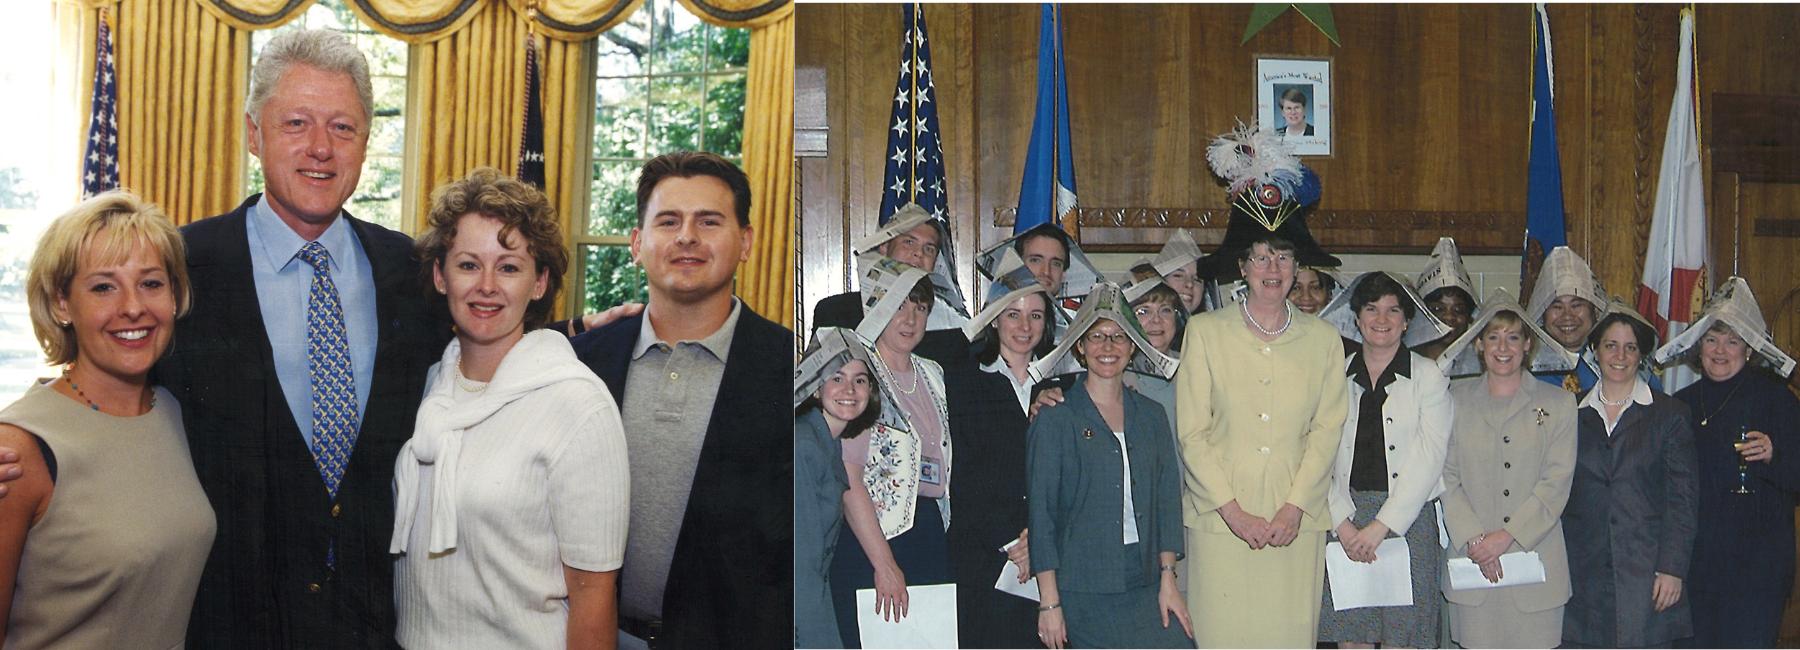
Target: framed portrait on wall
1293,96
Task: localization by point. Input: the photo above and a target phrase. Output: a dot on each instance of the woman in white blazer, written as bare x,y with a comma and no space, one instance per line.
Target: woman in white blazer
1390,461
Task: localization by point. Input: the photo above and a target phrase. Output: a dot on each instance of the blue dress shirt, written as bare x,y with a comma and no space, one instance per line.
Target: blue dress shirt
283,281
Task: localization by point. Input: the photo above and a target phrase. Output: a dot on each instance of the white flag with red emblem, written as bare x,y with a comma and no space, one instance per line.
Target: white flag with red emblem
1674,284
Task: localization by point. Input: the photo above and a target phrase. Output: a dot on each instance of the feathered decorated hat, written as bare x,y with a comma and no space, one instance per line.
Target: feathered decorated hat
1271,192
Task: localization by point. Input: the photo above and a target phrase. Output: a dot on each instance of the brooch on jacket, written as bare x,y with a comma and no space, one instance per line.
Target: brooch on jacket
1541,414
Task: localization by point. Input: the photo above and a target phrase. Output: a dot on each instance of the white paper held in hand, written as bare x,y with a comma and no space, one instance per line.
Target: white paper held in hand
1516,568
930,619
1386,582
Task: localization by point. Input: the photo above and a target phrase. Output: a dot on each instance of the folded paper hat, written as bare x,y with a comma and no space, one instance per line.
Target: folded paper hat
1445,270
1078,278
1734,305
1013,282
1175,253
1461,359
883,282
1106,301
1270,192
1422,328
943,277
1565,274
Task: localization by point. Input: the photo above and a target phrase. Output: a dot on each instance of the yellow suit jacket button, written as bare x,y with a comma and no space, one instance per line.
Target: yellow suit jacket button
1263,450
1265,417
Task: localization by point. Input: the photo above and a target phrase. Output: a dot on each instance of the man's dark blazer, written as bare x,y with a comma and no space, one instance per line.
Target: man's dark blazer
949,348
267,583
731,584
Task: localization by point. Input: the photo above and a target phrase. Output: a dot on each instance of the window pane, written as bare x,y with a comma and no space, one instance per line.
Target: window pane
614,207
387,56
612,278
681,39
622,49
377,197
728,48
674,113
725,115
619,117
387,135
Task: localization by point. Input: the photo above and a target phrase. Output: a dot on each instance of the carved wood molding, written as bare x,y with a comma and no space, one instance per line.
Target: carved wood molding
1643,117
1348,231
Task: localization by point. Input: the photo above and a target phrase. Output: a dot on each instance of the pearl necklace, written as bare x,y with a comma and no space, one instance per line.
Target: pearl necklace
1608,402
1245,306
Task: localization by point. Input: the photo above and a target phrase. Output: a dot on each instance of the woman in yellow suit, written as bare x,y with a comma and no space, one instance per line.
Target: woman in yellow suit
1263,401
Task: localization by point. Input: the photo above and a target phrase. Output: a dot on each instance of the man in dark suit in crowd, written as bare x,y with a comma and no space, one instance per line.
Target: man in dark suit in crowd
300,369
702,383
920,245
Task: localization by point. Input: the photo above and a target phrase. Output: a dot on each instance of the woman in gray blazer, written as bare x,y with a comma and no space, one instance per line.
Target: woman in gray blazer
1631,515
1105,501
1506,479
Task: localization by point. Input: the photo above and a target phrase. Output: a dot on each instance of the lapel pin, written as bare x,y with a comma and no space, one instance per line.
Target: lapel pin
1087,433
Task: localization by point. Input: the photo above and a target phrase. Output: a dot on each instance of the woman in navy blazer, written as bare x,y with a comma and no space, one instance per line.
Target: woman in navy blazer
1105,501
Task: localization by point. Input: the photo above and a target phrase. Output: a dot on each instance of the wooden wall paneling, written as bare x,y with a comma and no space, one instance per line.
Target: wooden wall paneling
953,62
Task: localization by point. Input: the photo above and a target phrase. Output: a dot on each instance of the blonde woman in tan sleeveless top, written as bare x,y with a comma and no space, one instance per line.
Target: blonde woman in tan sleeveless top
103,537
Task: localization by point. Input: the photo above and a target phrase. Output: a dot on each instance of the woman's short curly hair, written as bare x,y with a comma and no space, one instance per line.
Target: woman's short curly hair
519,208
105,229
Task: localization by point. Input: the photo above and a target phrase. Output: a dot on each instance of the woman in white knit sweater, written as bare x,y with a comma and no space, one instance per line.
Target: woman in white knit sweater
512,496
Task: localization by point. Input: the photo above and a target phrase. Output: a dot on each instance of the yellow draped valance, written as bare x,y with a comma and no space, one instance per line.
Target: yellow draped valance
425,21
741,13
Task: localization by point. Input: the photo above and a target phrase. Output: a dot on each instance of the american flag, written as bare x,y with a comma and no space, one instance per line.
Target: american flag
100,168
915,161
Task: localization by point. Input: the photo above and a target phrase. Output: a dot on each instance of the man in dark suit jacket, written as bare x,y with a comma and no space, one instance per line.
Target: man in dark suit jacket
702,385
918,247
295,565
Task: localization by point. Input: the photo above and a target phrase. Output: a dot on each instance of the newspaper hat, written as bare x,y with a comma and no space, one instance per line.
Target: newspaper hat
1078,279
1462,359
1422,328
1565,274
1734,305
943,277
884,283
831,348
1445,270
1270,192
1014,282
1137,288
1107,301
1175,253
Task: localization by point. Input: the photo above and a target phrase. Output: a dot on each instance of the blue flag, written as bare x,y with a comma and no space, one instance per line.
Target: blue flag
100,163
531,147
1047,189
1544,227
915,156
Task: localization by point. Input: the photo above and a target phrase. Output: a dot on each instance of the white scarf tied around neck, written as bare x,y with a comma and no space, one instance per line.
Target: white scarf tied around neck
540,359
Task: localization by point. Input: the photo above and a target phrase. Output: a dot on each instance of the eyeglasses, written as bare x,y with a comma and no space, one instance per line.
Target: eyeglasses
1263,261
1097,338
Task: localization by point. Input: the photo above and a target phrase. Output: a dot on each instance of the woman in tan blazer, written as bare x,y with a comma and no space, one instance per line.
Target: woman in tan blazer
1506,479
1263,399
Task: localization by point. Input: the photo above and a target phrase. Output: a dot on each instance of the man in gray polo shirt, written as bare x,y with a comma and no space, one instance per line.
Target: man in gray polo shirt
701,381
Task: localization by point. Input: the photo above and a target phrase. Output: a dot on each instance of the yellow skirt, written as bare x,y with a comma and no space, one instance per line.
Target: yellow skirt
1269,598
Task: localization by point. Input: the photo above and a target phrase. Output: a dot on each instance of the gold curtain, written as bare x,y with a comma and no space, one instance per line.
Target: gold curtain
766,282
467,94
182,78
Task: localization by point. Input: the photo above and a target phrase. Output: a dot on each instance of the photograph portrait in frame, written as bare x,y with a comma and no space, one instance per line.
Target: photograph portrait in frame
1293,97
